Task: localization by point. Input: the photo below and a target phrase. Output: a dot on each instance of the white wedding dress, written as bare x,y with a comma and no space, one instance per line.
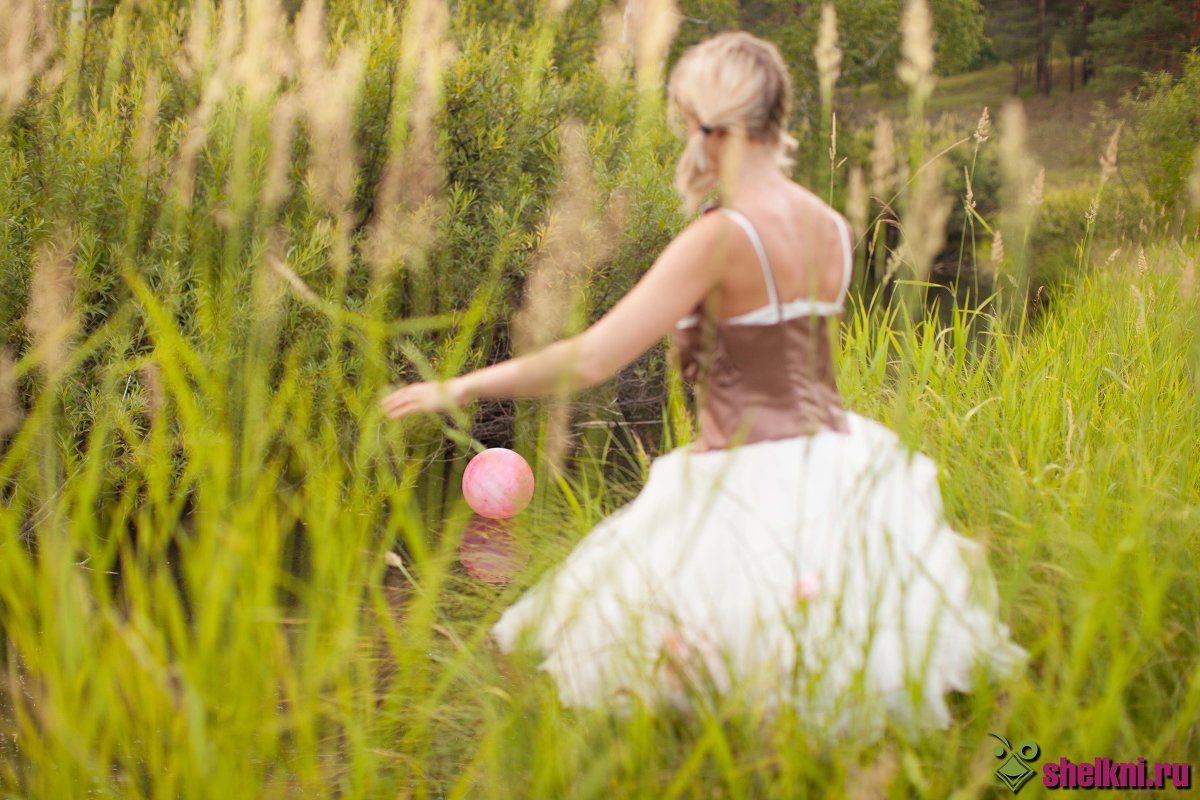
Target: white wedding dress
814,570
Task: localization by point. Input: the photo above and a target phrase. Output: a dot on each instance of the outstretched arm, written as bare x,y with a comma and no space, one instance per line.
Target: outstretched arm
690,266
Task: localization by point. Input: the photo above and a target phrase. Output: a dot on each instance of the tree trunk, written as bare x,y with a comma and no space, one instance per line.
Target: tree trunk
1016,77
1043,47
1071,73
1195,38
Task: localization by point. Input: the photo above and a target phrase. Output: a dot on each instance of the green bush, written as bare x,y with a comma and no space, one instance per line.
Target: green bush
1166,130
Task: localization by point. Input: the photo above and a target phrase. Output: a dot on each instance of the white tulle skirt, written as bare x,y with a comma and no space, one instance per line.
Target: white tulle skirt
815,571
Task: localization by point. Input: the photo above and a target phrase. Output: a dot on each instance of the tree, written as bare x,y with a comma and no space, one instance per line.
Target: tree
1075,37
868,33
1023,30
1012,27
1144,35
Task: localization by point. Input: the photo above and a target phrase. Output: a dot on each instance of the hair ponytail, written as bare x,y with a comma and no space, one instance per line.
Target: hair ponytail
695,174
735,82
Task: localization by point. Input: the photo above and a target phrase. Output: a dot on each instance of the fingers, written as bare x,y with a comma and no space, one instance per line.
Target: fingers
415,398
398,403
412,399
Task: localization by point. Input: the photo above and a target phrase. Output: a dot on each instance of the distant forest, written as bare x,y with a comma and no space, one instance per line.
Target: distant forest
1084,37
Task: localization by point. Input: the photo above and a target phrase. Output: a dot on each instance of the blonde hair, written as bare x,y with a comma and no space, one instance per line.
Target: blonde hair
734,82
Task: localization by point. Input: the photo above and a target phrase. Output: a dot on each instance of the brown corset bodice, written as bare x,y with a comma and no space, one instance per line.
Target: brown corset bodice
758,381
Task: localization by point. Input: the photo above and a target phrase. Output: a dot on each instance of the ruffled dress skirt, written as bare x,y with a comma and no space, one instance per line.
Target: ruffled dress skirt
815,571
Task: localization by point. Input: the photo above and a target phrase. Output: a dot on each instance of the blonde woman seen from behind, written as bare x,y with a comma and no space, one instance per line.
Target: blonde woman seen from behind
795,555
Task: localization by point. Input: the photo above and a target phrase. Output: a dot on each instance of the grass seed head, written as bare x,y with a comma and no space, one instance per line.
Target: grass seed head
1108,161
49,318
827,53
915,68
653,24
983,129
1194,182
857,203
612,54
925,227
10,407
883,160
27,46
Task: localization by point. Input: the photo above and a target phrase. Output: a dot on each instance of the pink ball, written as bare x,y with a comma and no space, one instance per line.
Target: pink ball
498,483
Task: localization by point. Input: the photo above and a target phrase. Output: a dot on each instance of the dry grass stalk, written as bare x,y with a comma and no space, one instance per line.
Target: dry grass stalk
1187,279
915,68
652,23
276,185
50,318
265,53
152,383
983,129
572,242
997,250
1016,162
147,126
327,97
27,45
269,291
10,406
194,60
1139,323
249,54
1020,183
207,56
408,203
827,53
883,160
612,54
833,141
925,224
279,266
568,244
1037,192
872,781
1108,161
857,203
1194,183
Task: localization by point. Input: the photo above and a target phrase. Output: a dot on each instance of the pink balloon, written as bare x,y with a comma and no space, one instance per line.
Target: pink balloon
498,483
490,551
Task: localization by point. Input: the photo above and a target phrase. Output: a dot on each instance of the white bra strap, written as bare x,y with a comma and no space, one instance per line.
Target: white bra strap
848,249
772,291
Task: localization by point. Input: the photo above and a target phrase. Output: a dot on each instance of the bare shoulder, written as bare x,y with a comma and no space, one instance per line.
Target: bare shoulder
829,233
703,239
705,229
812,203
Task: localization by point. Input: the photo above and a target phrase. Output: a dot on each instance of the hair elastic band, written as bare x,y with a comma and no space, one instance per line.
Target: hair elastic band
706,129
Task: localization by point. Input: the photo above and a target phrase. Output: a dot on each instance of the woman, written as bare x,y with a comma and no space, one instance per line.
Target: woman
796,553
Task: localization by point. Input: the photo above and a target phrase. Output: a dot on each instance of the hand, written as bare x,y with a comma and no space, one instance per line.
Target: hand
425,397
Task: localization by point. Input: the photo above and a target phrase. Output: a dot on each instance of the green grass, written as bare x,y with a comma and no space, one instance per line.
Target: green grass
1066,451
199,497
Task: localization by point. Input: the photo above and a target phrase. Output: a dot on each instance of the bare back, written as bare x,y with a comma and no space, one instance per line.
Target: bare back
803,243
